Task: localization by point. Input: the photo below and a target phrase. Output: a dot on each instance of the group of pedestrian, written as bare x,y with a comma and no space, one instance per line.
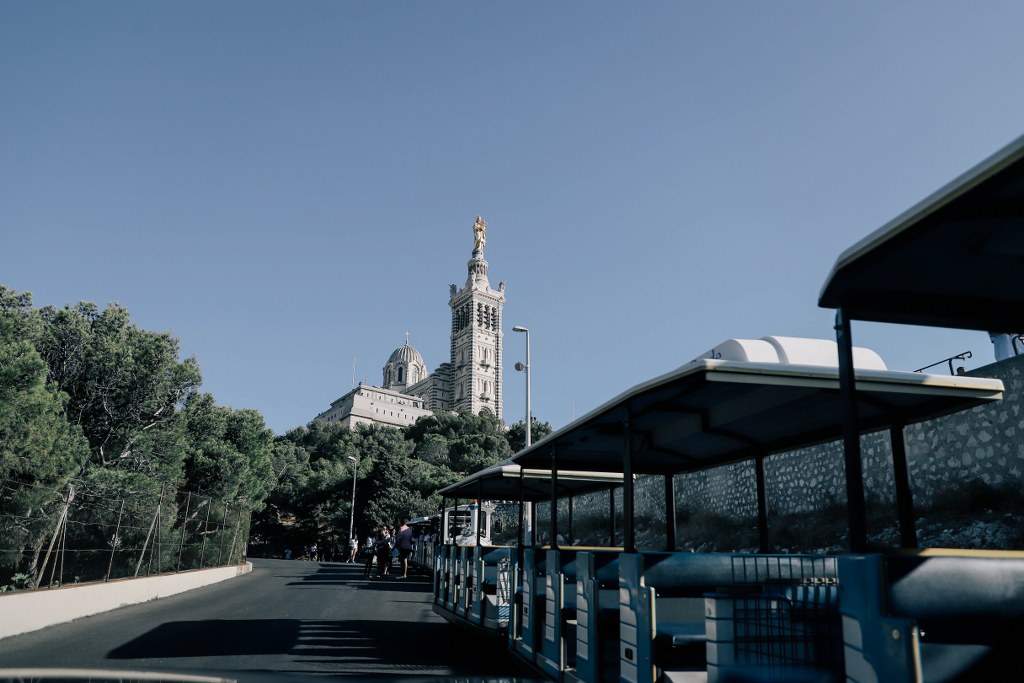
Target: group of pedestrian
386,545
327,552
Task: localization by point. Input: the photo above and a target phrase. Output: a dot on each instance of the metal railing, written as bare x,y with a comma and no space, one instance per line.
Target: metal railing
949,361
52,537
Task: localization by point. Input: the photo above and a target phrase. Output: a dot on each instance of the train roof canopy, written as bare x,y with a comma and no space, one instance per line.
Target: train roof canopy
504,481
956,259
712,412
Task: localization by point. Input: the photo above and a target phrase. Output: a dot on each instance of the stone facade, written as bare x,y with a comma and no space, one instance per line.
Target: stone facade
436,389
476,342
470,382
404,368
374,405
980,447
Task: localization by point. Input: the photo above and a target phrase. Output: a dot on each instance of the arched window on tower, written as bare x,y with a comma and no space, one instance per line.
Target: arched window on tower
400,369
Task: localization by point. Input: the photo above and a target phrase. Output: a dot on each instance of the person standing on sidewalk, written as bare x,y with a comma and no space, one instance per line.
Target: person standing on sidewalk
369,554
383,552
404,545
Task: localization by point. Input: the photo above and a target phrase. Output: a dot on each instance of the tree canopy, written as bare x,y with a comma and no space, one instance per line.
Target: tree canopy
87,394
399,473
517,434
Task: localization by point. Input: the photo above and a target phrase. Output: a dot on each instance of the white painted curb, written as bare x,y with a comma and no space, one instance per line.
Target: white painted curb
21,612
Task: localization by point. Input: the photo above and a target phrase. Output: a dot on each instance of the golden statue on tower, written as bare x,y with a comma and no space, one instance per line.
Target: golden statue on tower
479,235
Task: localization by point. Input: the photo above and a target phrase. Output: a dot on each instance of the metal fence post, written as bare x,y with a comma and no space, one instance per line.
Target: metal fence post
184,526
63,548
223,528
231,552
206,531
113,544
154,525
61,522
159,537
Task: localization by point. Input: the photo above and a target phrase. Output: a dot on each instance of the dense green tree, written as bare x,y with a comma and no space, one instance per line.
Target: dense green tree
516,434
40,452
399,472
433,449
229,452
387,492
312,496
19,321
125,385
93,373
473,441
37,444
290,464
103,415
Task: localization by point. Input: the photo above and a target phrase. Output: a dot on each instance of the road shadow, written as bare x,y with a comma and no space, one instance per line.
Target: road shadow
369,647
213,638
352,575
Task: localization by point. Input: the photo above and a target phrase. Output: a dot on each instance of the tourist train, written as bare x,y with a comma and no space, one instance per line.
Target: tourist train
597,576
466,525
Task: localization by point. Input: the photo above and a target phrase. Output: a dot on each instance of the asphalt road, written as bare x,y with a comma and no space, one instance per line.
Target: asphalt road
285,616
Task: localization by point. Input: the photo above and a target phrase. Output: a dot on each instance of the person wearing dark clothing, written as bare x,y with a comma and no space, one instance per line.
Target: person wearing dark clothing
383,552
369,554
404,545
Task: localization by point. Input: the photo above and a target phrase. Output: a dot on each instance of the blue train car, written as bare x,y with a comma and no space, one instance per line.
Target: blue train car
621,611
635,604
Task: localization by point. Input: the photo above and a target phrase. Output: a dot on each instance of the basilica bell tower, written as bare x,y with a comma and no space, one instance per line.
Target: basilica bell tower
476,336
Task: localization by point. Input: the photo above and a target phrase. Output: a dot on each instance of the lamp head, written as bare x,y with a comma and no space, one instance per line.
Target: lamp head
519,328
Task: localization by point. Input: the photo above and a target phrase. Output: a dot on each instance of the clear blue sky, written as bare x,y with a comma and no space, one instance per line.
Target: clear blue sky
290,187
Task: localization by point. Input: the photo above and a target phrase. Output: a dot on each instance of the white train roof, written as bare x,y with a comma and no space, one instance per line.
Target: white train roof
712,411
505,481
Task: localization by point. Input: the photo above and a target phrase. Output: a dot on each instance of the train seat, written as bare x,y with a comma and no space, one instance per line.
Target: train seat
529,600
681,597
663,594
954,616
597,615
491,560
674,636
558,649
596,599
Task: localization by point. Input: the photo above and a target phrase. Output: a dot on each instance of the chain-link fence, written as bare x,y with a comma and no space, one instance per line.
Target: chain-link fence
50,538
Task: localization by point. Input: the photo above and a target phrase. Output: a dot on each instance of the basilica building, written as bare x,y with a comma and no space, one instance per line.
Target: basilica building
471,380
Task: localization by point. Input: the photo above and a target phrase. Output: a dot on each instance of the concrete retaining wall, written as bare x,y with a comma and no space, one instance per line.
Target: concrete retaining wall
21,612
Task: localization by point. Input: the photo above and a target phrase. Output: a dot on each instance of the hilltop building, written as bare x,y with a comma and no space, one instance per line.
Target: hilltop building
471,381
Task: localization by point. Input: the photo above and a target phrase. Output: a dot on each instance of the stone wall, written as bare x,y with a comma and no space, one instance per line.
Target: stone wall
983,444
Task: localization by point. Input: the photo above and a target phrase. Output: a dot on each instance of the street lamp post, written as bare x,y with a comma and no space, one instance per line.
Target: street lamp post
352,517
520,367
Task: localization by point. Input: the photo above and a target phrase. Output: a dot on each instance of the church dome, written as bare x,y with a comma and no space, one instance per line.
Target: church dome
406,354
404,368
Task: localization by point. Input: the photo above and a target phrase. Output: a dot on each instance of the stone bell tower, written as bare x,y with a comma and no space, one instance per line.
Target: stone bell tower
476,336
